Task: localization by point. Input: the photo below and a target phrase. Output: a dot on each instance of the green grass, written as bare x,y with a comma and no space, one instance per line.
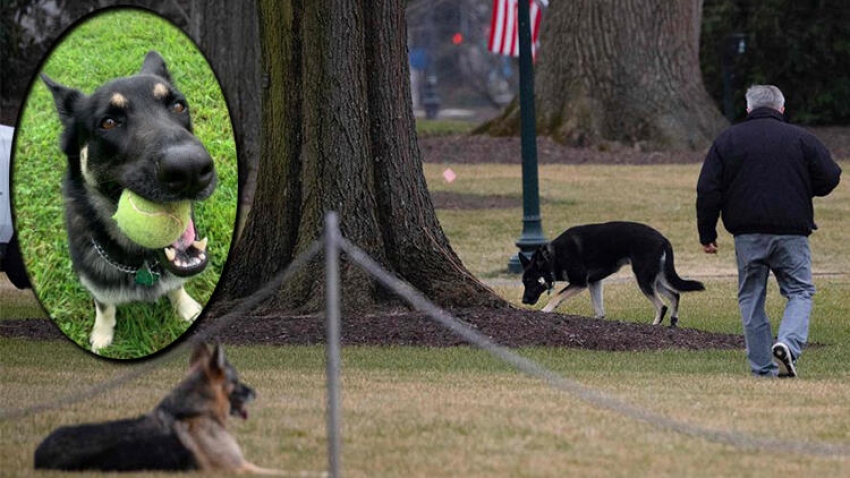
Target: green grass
107,46
16,303
458,412
443,127
662,196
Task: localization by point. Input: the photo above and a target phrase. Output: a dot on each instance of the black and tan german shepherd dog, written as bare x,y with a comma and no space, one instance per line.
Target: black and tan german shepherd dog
584,255
186,431
131,133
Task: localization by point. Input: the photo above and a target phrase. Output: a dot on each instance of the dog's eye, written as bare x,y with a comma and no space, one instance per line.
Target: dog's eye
178,107
108,123
541,281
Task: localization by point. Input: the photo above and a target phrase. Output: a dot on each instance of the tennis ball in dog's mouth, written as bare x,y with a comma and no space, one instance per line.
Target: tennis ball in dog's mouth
150,224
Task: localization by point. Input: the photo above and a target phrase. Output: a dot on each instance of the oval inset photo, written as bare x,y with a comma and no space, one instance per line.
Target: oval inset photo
124,183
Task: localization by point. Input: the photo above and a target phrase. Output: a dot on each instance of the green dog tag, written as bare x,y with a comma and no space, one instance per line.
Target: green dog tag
145,277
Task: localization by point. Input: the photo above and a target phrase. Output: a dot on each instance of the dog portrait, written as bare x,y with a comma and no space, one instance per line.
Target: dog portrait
126,200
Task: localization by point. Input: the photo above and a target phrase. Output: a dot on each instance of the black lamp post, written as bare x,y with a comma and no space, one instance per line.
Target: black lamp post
532,229
734,45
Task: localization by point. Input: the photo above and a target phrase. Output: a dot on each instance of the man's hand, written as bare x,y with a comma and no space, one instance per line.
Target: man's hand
710,248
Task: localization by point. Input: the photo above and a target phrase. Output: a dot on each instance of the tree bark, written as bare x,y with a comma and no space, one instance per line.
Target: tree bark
338,133
621,70
228,34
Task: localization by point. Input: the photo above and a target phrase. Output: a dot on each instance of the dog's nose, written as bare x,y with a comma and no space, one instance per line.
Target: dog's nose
186,169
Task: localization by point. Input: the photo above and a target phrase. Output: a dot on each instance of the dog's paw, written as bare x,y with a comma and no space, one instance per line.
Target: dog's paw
599,316
188,309
547,309
100,339
660,317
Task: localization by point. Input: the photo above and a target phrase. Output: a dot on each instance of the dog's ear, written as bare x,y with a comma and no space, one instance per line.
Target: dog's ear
542,256
217,364
525,261
155,65
66,99
200,355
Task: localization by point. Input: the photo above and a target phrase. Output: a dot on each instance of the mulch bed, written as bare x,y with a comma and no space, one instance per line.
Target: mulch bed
467,149
511,327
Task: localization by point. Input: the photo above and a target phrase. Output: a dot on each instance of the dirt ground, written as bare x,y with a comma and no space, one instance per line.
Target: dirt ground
483,149
511,327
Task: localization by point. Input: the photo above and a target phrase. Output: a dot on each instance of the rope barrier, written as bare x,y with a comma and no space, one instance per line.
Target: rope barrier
418,301
143,369
593,397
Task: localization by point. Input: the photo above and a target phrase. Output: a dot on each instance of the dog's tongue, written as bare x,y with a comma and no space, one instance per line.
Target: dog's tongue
243,414
188,237
187,255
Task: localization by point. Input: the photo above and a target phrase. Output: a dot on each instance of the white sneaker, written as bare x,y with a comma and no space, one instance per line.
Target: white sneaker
783,358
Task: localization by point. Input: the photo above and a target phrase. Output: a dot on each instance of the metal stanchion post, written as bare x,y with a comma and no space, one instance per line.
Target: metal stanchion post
332,296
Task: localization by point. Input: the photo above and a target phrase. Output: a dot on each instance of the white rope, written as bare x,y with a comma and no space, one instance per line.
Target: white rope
418,301
593,397
141,370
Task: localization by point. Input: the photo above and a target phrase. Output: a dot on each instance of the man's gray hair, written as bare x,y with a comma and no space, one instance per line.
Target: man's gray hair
759,96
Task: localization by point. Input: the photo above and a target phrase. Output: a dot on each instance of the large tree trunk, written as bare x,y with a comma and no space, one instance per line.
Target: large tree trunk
227,33
338,134
621,70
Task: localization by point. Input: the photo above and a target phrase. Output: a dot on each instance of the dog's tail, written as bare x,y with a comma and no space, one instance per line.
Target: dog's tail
681,285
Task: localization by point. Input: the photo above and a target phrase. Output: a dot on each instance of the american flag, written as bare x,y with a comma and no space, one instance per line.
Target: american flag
504,26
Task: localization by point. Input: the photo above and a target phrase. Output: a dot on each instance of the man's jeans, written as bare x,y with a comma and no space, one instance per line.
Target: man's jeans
791,262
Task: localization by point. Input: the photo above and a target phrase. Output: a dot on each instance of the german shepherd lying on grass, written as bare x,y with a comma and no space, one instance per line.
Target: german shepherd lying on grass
186,431
132,133
584,255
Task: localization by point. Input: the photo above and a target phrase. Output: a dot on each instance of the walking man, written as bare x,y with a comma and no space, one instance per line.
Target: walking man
760,176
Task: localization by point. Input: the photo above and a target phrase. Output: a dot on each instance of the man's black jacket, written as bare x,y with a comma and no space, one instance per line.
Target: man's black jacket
761,175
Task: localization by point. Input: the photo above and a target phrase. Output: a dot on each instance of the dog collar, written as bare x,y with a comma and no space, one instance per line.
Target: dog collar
144,275
549,285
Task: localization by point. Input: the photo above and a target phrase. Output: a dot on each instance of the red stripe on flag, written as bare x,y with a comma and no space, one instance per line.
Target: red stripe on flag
495,22
504,27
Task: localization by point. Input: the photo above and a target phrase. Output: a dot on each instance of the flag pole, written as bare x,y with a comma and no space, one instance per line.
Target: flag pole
532,229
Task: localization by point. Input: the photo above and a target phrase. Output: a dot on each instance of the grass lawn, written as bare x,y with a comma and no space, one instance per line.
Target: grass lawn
118,40
16,303
662,196
457,412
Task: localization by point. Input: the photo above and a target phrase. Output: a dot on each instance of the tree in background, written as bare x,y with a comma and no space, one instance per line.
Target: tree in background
801,47
228,34
338,133
625,71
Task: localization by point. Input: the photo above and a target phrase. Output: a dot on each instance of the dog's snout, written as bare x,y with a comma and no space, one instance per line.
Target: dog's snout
186,169
531,296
